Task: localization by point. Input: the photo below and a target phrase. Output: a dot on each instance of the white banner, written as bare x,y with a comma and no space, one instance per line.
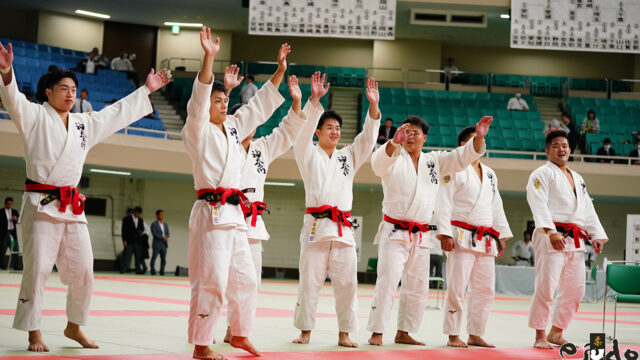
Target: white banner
580,25
357,19
633,238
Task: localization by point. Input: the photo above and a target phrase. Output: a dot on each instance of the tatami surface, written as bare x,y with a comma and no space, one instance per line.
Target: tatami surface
145,318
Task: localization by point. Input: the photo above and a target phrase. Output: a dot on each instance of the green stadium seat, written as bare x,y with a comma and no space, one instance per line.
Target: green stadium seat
519,115
509,133
533,116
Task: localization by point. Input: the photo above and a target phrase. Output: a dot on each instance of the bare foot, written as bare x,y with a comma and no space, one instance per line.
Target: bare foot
376,339
214,341
541,341
403,337
244,344
478,341
555,337
304,337
73,332
204,352
227,337
36,343
455,341
344,340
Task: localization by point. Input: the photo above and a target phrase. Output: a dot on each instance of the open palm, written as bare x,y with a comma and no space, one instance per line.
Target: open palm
157,80
231,78
482,127
285,49
294,89
210,47
318,89
372,91
6,56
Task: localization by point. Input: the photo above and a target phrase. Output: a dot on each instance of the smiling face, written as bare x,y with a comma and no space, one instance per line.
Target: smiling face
416,139
329,134
558,151
63,94
218,109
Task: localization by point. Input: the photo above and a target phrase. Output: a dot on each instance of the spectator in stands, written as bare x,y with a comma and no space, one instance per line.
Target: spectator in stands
41,97
606,150
634,153
82,105
102,62
248,90
523,250
555,125
451,70
517,103
160,232
90,64
590,124
574,136
122,63
386,132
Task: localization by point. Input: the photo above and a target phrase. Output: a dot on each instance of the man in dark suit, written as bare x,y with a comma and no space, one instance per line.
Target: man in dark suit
8,226
160,232
634,152
606,150
386,132
133,240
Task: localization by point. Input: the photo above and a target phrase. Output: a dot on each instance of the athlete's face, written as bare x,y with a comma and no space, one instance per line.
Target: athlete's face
63,95
558,151
218,109
416,139
329,134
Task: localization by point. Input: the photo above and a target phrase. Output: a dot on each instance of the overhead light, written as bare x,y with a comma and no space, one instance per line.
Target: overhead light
94,14
505,16
279,183
169,23
111,172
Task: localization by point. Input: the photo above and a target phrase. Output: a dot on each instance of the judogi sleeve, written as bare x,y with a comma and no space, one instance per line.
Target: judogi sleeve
258,110
22,111
363,143
112,118
197,112
445,205
459,158
282,137
303,145
500,222
592,222
381,163
538,197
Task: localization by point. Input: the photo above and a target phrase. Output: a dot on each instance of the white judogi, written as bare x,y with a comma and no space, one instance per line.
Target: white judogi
523,251
464,197
329,181
551,198
409,195
54,155
219,256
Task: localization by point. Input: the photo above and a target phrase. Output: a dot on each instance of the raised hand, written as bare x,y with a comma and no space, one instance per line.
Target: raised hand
157,80
318,89
6,56
482,127
210,47
372,92
401,134
231,78
285,49
294,89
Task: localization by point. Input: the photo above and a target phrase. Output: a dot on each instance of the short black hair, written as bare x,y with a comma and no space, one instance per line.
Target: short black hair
7,199
250,77
53,77
417,121
527,232
235,108
591,111
388,119
218,86
85,90
137,209
158,211
329,114
51,68
606,141
465,134
554,134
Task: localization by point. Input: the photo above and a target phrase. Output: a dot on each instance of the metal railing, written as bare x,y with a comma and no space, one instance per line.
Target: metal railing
194,64
165,135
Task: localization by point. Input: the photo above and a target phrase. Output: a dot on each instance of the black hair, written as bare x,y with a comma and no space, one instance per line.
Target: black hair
158,211
51,68
7,199
250,77
137,209
591,111
235,108
417,121
606,141
218,86
329,114
554,134
465,134
527,232
53,77
388,119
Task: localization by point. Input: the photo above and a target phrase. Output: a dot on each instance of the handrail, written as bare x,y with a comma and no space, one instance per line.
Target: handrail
167,135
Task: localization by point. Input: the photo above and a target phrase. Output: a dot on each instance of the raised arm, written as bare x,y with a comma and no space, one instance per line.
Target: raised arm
276,78
364,142
459,158
385,156
210,48
231,78
443,212
303,145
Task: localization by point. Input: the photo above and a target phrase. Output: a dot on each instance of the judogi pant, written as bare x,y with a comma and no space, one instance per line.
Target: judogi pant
399,260
477,271
48,241
220,265
256,255
556,271
340,260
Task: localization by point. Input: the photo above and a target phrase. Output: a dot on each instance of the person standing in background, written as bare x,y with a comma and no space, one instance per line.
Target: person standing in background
160,232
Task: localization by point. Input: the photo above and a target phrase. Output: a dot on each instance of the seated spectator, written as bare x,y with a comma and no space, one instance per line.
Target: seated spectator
606,150
102,62
517,103
122,63
248,90
451,70
634,153
555,125
386,132
589,125
82,105
88,65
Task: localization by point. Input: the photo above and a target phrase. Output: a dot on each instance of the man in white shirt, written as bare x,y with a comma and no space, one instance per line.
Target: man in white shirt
82,105
523,250
451,70
565,217
122,63
248,90
517,103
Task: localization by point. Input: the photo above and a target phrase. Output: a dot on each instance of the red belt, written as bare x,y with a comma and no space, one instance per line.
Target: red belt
576,231
410,226
257,208
220,194
337,216
68,195
481,232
